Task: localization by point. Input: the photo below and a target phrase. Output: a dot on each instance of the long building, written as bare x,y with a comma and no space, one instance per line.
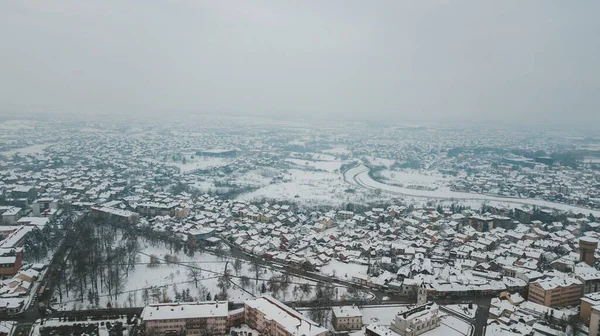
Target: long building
194,318
271,317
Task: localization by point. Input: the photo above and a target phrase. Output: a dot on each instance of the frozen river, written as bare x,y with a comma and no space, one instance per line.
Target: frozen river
359,176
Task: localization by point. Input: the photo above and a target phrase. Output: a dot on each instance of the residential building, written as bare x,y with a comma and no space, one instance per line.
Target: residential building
129,216
273,318
587,247
17,237
413,321
594,321
556,292
346,318
587,302
10,261
194,318
42,204
10,215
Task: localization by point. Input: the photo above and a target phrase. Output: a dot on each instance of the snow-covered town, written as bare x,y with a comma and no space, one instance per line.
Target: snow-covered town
341,233
299,168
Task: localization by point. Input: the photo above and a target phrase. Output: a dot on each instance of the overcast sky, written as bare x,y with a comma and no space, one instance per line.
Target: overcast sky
402,60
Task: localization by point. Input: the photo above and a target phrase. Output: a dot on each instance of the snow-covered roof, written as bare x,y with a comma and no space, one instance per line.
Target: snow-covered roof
347,311
169,311
294,322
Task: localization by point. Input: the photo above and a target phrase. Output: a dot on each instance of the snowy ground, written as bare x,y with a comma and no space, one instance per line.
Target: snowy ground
329,166
343,271
382,315
337,151
463,309
303,186
414,179
174,277
311,188
26,150
450,326
200,162
377,161
17,125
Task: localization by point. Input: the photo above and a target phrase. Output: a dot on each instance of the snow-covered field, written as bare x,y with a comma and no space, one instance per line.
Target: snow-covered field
343,271
311,188
337,151
17,125
200,163
322,165
414,179
26,150
359,177
169,278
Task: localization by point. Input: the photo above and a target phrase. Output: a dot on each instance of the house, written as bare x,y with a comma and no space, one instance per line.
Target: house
413,321
587,302
559,291
202,233
10,261
42,204
10,215
346,318
108,212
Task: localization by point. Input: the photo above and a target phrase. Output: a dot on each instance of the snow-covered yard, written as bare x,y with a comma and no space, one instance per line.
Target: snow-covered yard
450,326
463,309
343,271
382,315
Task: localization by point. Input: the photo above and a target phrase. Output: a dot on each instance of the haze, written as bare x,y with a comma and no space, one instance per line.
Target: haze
510,61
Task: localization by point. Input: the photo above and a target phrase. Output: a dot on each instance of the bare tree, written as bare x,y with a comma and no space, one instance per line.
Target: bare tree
256,268
194,274
237,266
154,261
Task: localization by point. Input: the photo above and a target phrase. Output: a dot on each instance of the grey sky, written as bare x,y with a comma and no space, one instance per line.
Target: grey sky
403,60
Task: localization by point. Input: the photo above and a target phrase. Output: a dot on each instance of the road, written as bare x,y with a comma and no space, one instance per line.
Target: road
479,323
359,176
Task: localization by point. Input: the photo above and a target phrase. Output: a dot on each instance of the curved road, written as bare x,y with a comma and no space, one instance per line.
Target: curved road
359,176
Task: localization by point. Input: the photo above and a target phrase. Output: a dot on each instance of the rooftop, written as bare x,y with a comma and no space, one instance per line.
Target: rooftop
169,311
